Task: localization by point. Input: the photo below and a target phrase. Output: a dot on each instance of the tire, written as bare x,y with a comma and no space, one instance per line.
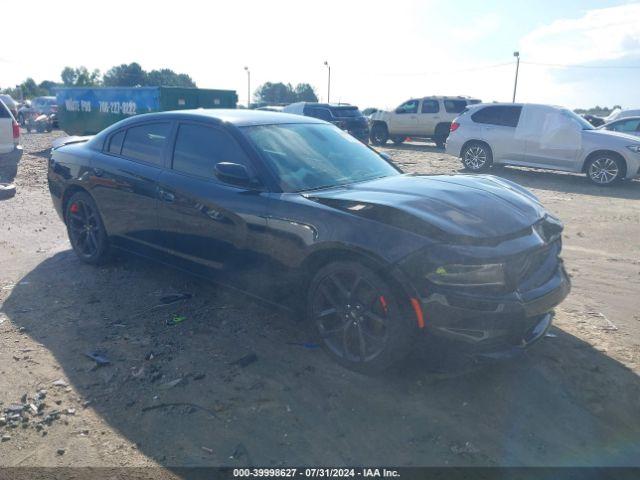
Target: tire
379,134
605,169
398,139
40,127
477,157
86,231
440,141
7,190
357,318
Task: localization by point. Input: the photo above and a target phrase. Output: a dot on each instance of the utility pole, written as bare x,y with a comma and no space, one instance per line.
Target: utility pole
248,87
328,82
515,85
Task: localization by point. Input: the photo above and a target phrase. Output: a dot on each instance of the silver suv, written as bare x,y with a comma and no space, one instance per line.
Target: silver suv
541,136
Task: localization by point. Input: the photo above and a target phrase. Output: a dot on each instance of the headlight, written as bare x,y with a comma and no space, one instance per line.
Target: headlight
634,148
491,274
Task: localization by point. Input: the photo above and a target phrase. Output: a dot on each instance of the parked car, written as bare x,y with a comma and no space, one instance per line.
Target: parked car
295,211
9,135
38,106
541,136
594,120
346,117
428,117
619,114
10,103
629,125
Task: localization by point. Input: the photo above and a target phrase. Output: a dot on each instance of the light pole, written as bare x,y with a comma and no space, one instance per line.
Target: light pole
248,87
328,82
515,85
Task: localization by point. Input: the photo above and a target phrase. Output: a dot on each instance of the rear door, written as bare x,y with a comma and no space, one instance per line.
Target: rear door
6,129
124,179
497,126
202,218
553,138
404,120
429,117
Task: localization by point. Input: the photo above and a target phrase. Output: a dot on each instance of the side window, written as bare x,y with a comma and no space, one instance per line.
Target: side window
408,107
4,111
455,106
505,116
198,148
115,142
627,126
146,142
321,113
430,106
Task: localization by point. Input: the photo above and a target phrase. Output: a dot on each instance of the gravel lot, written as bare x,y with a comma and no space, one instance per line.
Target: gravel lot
172,395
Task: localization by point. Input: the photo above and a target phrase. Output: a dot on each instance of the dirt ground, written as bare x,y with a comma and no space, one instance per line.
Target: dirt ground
173,396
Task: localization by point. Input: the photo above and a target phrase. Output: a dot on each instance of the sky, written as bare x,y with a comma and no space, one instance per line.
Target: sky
380,52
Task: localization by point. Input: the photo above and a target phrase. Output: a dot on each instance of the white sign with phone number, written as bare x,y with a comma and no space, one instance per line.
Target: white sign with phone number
124,108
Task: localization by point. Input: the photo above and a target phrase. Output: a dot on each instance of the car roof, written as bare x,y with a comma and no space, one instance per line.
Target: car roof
235,117
624,119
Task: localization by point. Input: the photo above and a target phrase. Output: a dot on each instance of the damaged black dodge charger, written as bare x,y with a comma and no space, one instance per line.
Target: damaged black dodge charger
297,212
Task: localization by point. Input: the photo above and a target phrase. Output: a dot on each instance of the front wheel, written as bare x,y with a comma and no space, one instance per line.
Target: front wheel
86,231
357,318
605,170
477,157
379,134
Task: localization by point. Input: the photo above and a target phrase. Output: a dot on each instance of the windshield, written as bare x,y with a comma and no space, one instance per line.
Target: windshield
574,117
313,156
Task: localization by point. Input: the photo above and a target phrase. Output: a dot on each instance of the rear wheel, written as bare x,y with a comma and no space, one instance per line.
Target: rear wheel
605,169
357,317
398,139
86,231
379,134
477,157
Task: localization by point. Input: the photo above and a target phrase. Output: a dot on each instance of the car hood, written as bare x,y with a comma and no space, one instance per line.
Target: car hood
469,206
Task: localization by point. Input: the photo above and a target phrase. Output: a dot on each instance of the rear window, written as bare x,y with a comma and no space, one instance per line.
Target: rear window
115,143
430,106
4,111
502,115
455,106
346,112
321,113
146,142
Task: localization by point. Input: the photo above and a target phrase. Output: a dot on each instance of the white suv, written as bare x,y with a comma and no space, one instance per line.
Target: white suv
541,136
9,134
428,117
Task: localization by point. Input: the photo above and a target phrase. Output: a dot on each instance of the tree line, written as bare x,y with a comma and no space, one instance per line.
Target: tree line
125,75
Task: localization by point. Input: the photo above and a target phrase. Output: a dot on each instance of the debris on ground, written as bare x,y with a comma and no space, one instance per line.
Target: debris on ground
246,360
59,383
176,319
173,298
98,357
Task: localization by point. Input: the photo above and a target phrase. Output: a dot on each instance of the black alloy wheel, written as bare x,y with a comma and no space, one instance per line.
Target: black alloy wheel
357,318
86,231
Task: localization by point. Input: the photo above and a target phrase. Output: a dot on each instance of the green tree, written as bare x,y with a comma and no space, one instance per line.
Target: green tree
168,78
47,87
125,76
274,93
80,77
305,93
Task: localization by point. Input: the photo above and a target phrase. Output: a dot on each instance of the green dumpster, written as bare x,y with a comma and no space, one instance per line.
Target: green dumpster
87,110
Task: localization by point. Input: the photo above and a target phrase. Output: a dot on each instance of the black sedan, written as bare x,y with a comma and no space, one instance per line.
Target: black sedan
298,212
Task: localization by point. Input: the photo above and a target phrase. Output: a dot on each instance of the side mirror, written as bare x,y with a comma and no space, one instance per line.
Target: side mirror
233,173
386,156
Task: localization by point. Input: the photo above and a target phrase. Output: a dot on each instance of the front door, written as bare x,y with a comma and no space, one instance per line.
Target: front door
404,120
202,219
